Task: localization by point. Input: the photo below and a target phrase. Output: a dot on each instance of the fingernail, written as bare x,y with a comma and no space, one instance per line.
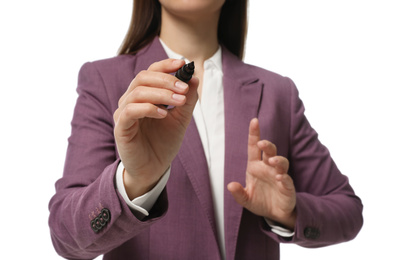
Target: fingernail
181,85
178,97
161,111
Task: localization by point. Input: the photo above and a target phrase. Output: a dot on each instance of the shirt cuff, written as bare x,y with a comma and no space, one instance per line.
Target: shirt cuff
144,203
283,232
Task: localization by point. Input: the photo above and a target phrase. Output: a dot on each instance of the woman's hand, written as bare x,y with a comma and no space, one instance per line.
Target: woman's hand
147,135
269,190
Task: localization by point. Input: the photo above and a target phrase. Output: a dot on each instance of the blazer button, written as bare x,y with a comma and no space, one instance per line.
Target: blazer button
311,233
94,226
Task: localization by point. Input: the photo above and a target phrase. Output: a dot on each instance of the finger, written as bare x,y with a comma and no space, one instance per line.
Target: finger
280,163
254,152
158,80
157,76
170,66
167,65
154,96
268,150
128,116
238,192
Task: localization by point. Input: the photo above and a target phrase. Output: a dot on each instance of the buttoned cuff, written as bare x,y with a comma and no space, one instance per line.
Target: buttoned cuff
283,232
144,203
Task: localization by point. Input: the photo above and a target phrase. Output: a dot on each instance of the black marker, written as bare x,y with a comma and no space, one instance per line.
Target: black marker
185,72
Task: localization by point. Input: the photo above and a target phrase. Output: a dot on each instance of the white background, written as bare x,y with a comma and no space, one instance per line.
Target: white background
346,58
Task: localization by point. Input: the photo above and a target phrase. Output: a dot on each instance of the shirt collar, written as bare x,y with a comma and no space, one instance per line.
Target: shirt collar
216,59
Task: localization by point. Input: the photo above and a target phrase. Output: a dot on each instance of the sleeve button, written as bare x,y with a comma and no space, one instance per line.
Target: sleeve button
106,215
94,226
101,220
311,233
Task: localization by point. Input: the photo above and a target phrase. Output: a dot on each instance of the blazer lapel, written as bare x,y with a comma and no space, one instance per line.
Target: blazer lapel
151,53
192,157
242,96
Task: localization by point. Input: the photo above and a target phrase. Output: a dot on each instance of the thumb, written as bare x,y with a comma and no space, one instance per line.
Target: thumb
238,192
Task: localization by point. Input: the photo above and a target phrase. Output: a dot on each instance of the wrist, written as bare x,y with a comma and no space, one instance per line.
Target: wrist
290,221
135,186
287,221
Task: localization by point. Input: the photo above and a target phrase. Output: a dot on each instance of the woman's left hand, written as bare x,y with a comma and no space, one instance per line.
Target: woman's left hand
269,190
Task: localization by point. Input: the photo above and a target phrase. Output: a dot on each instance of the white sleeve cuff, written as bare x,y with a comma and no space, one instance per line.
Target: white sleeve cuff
283,232
144,203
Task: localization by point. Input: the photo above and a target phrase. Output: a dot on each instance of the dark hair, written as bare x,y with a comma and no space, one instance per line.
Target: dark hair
146,24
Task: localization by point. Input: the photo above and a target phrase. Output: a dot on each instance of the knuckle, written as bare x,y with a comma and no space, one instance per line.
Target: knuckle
154,64
132,83
125,113
141,74
168,79
150,109
138,94
139,77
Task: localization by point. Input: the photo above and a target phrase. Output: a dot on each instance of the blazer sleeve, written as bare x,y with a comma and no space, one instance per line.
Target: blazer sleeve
88,216
328,211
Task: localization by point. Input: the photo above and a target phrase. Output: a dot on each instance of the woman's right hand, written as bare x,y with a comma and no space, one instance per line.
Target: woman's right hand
147,135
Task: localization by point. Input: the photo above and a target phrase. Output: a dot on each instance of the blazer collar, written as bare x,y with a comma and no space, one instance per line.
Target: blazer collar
151,53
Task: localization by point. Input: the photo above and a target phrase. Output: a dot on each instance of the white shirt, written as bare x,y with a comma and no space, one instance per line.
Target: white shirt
209,118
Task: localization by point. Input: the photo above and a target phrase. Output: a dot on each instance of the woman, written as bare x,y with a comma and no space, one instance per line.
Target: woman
145,182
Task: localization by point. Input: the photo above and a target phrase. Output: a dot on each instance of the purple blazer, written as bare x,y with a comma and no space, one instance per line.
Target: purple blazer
88,217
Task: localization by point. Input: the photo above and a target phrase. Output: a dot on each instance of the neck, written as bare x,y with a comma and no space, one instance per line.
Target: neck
195,39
